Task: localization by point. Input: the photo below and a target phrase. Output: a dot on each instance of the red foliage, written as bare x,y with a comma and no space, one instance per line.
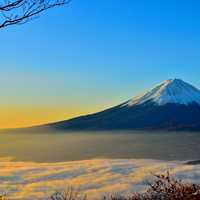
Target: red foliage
166,188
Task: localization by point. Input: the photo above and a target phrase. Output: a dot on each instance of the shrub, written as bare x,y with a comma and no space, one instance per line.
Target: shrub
165,187
69,194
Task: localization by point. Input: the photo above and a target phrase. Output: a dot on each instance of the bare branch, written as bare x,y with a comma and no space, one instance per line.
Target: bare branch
21,11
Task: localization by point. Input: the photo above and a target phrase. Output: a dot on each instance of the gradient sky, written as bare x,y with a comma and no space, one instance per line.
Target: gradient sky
91,55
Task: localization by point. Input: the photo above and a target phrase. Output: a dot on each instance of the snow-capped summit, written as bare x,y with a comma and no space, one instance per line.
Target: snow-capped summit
169,91
176,106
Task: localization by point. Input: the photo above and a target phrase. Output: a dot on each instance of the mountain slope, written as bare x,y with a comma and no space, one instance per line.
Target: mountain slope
170,91
172,105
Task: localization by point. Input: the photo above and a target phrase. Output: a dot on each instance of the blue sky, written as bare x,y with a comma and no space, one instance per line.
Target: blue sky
95,54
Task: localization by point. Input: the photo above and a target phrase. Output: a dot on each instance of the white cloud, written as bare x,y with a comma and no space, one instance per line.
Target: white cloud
27,180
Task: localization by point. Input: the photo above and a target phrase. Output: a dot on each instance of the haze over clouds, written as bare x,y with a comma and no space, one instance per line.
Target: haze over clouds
28,180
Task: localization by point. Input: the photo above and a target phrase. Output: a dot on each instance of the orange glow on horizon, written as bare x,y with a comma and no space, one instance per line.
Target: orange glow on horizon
17,117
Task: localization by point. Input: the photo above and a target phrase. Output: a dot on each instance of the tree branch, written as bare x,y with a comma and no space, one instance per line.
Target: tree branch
22,11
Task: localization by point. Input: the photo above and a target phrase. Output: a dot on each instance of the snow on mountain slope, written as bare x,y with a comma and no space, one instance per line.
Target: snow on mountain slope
169,91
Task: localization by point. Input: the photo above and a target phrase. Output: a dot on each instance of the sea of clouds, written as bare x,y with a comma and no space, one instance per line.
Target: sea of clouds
96,178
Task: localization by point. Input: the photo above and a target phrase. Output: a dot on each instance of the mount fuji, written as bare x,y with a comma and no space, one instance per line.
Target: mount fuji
171,105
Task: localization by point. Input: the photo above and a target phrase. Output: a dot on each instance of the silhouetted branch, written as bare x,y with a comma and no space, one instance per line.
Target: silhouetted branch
20,11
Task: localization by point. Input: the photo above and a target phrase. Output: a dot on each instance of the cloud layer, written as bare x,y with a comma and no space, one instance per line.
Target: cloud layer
96,178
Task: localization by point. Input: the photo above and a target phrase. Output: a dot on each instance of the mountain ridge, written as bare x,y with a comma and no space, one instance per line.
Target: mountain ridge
171,105
169,91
